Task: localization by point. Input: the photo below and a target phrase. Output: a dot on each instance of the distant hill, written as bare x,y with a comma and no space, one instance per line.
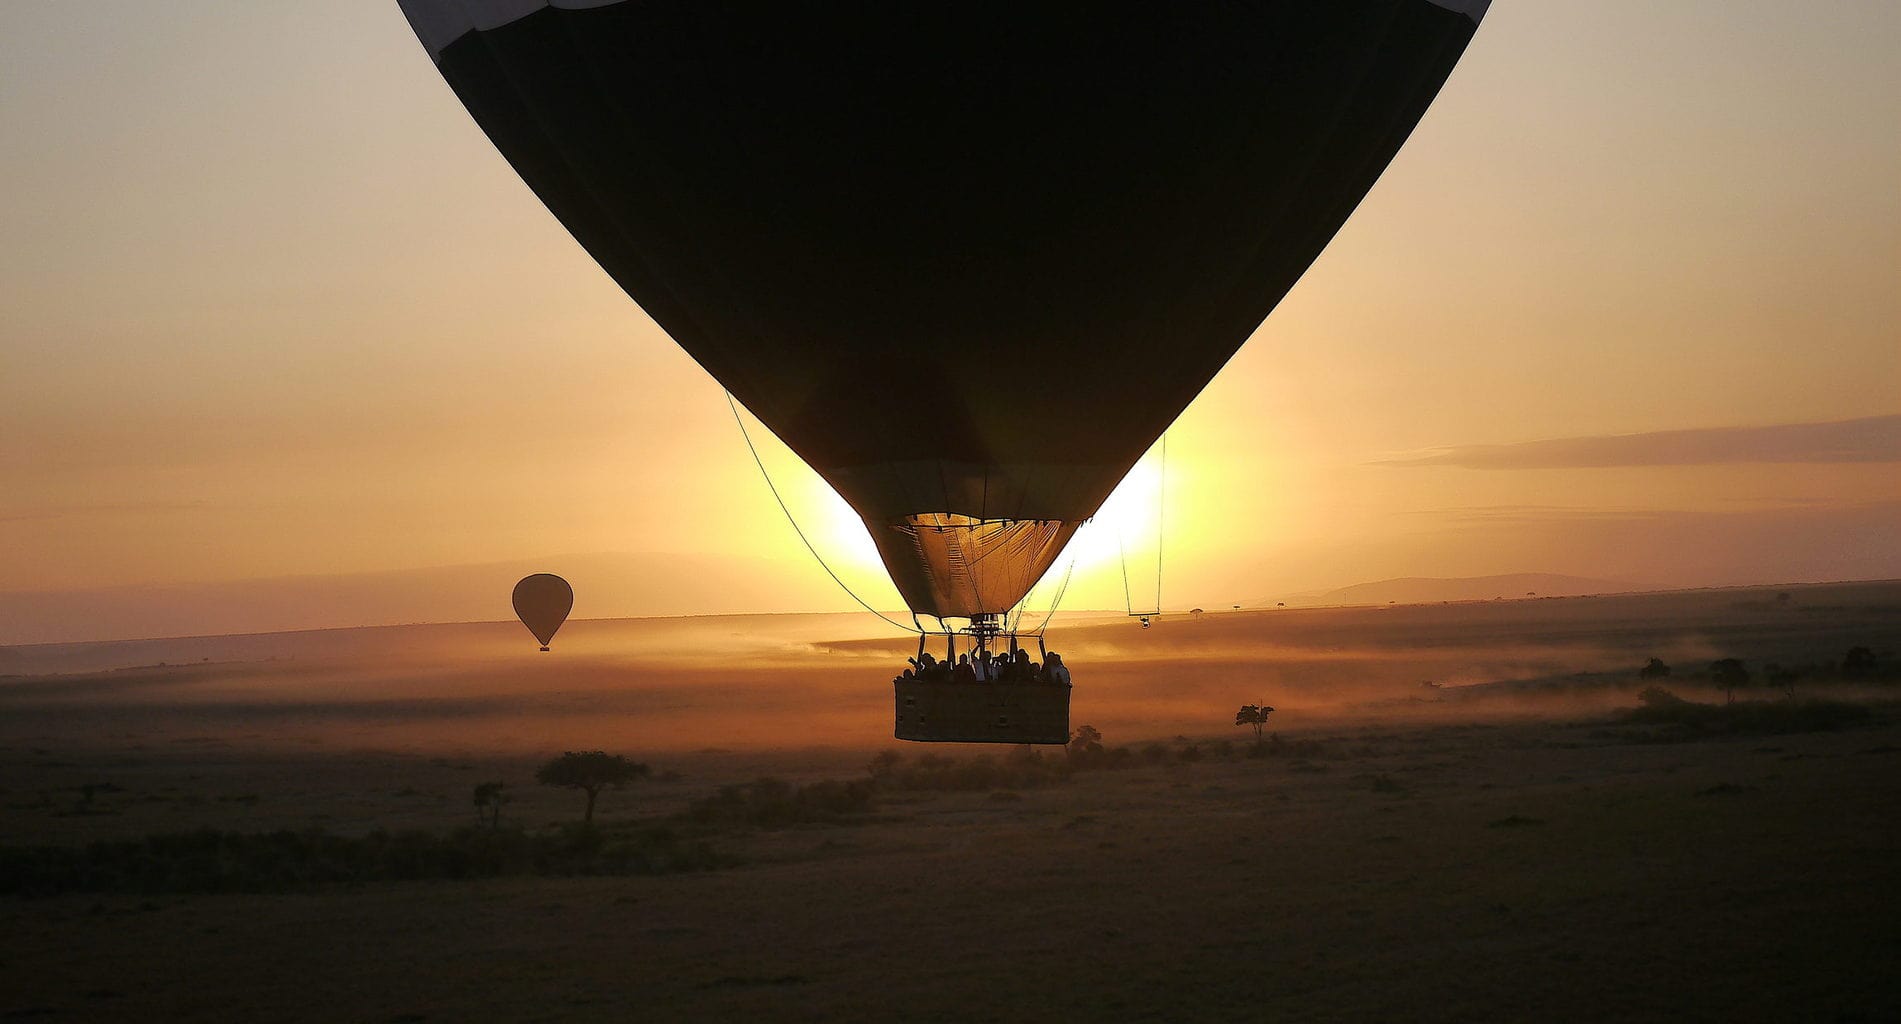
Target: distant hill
1425,590
605,585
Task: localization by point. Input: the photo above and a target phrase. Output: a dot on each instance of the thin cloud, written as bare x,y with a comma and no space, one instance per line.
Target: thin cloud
1867,440
1503,514
44,513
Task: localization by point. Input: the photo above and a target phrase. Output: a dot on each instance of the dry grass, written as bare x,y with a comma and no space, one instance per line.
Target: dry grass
1505,854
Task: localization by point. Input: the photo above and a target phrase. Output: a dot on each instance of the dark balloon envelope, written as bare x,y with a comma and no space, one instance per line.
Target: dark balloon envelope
968,260
542,603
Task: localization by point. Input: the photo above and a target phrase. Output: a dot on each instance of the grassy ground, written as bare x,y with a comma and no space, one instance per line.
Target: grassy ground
1527,870
1524,840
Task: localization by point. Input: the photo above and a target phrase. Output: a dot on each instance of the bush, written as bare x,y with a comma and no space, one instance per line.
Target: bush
776,803
286,861
1679,719
1278,747
942,774
1658,697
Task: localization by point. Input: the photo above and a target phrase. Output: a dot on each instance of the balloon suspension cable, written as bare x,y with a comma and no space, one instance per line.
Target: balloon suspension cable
1122,559
820,559
1013,621
1161,521
1056,603
1122,553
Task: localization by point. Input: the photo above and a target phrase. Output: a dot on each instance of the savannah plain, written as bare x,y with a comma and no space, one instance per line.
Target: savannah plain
1459,811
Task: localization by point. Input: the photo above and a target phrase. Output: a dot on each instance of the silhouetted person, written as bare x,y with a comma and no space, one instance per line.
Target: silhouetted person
1054,671
963,673
1020,668
985,668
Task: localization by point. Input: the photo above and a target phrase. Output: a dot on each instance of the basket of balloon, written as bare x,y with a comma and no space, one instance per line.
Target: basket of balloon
945,711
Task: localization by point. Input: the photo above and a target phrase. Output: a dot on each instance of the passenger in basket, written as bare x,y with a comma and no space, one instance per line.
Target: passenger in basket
984,667
1054,671
1021,669
963,673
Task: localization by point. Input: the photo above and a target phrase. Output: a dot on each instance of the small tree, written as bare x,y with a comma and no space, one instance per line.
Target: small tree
1254,715
1655,670
1858,663
883,763
1783,679
590,771
1086,743
1729,673
489,797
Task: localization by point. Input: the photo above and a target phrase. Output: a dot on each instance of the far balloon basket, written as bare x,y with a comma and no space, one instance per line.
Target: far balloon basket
943,711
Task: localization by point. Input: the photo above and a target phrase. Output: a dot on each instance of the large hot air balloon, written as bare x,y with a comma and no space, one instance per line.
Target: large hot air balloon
967,260
542,603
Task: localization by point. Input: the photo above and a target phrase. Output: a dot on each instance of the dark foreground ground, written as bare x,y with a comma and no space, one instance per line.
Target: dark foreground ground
1501,846
1507,872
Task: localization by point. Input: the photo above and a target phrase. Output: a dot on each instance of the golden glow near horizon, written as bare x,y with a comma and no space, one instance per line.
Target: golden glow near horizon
273,306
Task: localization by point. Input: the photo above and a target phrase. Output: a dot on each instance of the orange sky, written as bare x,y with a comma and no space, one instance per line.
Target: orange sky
270,305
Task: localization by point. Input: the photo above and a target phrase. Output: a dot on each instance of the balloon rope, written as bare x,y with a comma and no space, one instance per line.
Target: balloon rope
1122,559
1013,620
1161,509
1057,602
1122,551
757,461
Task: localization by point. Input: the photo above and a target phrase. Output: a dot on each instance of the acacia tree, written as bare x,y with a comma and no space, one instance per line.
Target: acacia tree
1729,673
488,803
590,771
1655,670
1254,715
1087,742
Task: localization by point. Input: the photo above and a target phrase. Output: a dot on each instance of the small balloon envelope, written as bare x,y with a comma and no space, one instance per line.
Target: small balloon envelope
542,602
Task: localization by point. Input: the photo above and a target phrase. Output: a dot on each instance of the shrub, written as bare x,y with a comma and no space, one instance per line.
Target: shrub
1682,719
776,803
1658,697
286,861
933,773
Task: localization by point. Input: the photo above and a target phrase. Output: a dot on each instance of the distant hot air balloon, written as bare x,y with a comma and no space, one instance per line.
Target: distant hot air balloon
967,260
542,603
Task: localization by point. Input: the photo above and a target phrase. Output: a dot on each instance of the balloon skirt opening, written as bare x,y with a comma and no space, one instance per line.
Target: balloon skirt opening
950,712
